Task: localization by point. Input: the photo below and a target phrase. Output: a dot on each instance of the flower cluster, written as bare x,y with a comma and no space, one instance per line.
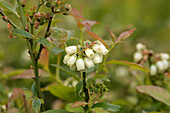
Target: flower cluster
79,58
158,61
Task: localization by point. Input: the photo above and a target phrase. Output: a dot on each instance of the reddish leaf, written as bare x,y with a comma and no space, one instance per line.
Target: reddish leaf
124,35
30,74
76,14
78,104
44,58
17,93
111,34
89,23
96,37
167,74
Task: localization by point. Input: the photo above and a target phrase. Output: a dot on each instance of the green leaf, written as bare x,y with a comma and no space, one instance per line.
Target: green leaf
36,105
56,50
156,92
107,106
7,7
66,71
44,42
75,110
102,77
99,110
78,88
133,65
56,111
64,92
41,28
22,33
78,104
33,89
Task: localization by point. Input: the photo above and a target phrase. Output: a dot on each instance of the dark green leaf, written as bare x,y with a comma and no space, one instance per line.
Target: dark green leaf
36,104
75,110
64,92
7,7
156,92
107,106
56,50
78,88
56,111
67,71
99,110
92,69
44,42
133,65
33,89
22,33
102,77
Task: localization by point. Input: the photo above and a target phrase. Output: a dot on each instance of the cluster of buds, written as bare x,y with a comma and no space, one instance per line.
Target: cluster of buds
80,58
158,61
57,7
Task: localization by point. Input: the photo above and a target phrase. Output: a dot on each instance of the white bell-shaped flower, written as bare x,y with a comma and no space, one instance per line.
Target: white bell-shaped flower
88,62
80,64
164,56
71,49
71,60
160,66
165,64
153,70
97,58
137,56
89,53
140,47
66,57
103,49
96,48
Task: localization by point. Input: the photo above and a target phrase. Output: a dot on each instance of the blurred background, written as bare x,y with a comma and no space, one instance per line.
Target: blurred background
151,18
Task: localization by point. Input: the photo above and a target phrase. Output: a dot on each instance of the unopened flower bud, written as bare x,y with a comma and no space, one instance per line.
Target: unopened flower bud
89,53
137,56
153,70
88,62
165,64
71,60
37,23
140,47
145,58
97,58
71,49
80,64
160,66
66,58
164,56
67,7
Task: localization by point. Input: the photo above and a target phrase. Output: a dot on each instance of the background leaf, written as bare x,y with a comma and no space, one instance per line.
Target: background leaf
56,50
156,92
78,104
64,92
133,65
44,42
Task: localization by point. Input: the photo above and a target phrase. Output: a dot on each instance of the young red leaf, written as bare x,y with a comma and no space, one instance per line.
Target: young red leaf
76,14
124,35
96,37
89,23
44,58
78,104
111,34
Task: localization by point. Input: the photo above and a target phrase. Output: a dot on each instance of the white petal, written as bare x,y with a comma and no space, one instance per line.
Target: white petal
97,58
153,70
80,64
88,62
72,60
137,56
66,57
89,53
71,49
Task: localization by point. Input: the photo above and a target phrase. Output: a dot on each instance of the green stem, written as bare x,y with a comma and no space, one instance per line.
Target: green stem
85,90
81,37
58,70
